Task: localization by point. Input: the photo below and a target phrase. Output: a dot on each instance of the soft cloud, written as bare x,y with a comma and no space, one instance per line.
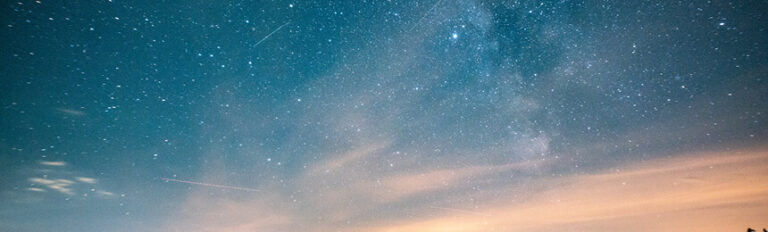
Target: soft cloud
54,163
709,192
338,162
398,187
33,189
59,185
71,112
87,180
58,177
204,213
717,191
105,193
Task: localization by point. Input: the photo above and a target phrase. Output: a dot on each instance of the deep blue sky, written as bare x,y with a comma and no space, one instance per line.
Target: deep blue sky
101,100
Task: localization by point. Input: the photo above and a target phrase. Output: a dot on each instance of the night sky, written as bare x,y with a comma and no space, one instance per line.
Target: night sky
435,115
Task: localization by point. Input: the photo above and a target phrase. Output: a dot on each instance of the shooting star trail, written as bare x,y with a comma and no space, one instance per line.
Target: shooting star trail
270,34
460,211
425,15
211,185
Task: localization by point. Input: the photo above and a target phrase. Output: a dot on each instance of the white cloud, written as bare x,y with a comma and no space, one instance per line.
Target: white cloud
54,163
33,189
86,179
105,193
59,185
64,180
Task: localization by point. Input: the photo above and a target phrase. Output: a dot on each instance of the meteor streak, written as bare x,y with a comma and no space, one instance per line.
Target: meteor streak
425,15
270,34
460,211
211,185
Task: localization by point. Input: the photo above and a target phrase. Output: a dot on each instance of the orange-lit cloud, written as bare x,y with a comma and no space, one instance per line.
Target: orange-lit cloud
718,191
706,192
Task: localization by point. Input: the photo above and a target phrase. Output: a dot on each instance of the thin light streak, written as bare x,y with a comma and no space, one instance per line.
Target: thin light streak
425,15
460,210
211,185
270,34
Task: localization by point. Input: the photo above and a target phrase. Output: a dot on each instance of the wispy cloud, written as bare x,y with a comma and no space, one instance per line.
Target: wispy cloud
86,179
53,163
59,177
71,112
59,185
714,191
33,189
339,161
